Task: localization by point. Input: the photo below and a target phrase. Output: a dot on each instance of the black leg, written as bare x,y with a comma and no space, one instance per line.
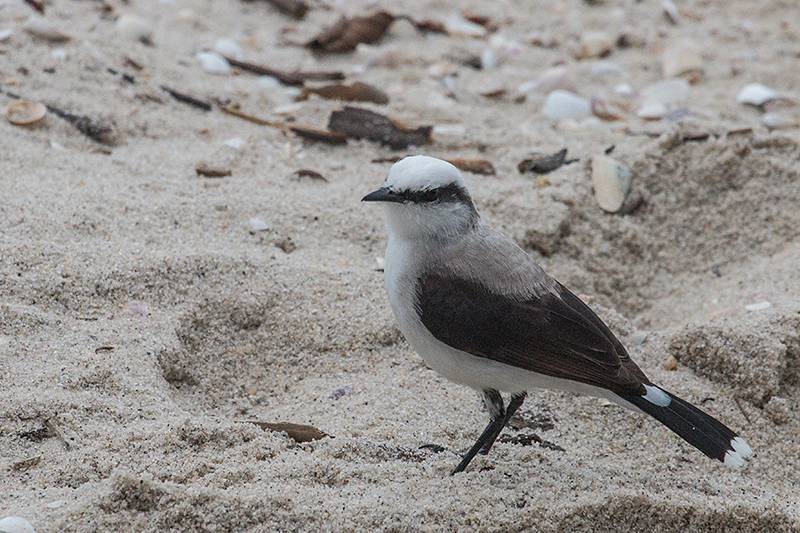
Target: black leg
513,405
497,419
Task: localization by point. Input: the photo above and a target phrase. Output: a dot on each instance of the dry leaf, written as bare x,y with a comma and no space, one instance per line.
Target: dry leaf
212,172
476,165
360,123
347,33
298,432
352,92
543,165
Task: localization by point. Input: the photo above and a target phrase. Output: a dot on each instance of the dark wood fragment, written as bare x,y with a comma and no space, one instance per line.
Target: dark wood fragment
312,134
293,8
212,172
298,432
186,99
358,123
347,33
296,78
543,165
308,173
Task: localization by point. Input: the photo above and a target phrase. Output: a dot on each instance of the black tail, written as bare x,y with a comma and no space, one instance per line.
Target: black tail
699,429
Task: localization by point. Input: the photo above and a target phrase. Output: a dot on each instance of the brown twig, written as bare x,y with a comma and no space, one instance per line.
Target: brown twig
296,78
231,110
739,405
186,99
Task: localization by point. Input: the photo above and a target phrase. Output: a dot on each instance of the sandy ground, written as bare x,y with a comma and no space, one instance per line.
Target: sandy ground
141,316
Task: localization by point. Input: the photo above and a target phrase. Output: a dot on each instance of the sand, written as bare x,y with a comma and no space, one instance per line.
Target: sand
141,316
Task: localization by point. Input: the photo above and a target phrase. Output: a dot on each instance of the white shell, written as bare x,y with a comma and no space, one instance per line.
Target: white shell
458,26
667,92
671,10
777,121
563,104
681,58
44,29
612,181
5,34
756,94
25,112
549,80
230,48
15,524
488,59
213,62
651,110
759,306
258,225
135,28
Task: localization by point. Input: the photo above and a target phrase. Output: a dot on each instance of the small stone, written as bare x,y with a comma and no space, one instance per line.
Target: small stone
612,181
214,63
671,363
258,225
286,109
380,263
135,28
25,112
682,58
756,94
758,306
54,505
488,59
5,34
563,104
777,409
15,524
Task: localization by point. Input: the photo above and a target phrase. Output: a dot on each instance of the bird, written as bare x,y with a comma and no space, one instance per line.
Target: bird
483,313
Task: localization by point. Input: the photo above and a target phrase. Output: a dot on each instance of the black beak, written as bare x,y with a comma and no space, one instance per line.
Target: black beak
384,194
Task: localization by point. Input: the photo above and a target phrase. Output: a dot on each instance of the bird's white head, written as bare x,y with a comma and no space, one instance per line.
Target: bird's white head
426,198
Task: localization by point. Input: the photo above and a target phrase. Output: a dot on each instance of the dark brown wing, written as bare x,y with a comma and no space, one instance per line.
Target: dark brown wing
556,335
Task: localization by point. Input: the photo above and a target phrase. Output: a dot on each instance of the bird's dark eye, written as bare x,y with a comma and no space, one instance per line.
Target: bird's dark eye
430,196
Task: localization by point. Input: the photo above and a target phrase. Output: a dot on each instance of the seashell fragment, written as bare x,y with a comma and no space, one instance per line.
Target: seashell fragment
214,63
229,47
40,28
756,94
134,28
25,112
5,34
778,121
15,524
563,104
667,92
758,306
457,26
682,58
594,44
612,181
548,81
671,11
652,109
605,111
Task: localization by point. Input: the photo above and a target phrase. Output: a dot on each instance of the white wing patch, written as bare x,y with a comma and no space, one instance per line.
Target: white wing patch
657,396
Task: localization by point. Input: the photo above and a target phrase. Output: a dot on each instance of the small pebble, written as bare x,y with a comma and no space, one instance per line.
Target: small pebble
548,81
15,524
344,390
671,363
777,121
137,308
612,181
5,34
756,94
488,59
55,505
563,104
380,263
214,63
135,28
651,110
758,306
258,225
